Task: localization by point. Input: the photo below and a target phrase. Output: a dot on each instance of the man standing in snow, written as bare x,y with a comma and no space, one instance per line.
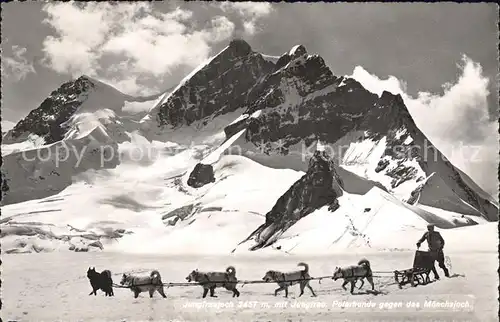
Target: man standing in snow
436,244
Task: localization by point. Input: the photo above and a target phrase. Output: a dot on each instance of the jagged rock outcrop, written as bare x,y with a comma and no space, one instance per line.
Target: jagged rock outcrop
47,120
201,175
320,186
219,87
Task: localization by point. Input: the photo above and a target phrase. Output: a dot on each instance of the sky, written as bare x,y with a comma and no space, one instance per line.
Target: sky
441,57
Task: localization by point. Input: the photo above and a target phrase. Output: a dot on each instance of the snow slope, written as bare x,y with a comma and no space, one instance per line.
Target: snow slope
374,222
53,287
138,206
137,200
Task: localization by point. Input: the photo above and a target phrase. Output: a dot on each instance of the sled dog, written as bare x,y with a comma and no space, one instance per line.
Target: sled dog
139,284
352,274
211,280
100,281
286,279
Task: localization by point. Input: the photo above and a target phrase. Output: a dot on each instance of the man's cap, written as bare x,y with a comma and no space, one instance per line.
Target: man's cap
430,225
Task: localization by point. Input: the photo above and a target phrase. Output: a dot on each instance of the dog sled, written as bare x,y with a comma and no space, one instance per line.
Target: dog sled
423,264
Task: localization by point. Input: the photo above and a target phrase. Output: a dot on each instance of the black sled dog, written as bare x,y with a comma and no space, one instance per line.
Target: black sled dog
100,281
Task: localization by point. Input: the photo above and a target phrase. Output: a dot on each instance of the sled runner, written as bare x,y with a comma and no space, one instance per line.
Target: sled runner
423,263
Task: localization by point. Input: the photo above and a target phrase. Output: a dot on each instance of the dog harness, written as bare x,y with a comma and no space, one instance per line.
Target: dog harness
302,275
225,274
344,271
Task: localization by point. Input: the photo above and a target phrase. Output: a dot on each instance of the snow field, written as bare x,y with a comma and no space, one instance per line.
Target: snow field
47,290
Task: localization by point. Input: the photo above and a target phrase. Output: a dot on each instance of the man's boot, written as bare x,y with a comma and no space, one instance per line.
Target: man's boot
435,272
445,269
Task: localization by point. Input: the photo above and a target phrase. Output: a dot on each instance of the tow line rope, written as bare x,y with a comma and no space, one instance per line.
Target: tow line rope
243,282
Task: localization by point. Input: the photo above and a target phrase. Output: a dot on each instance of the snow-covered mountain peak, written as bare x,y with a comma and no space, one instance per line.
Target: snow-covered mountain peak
52,119
297,50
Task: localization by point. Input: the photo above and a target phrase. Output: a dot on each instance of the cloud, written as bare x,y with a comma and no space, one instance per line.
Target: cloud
456,121
79,33
377,85
17,67
128,42
251,13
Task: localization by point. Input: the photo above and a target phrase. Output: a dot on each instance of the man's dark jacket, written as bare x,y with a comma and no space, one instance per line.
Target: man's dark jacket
434,240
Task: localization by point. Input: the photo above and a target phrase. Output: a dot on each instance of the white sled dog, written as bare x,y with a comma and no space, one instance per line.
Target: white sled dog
282,279
353,273
139,284
212,280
